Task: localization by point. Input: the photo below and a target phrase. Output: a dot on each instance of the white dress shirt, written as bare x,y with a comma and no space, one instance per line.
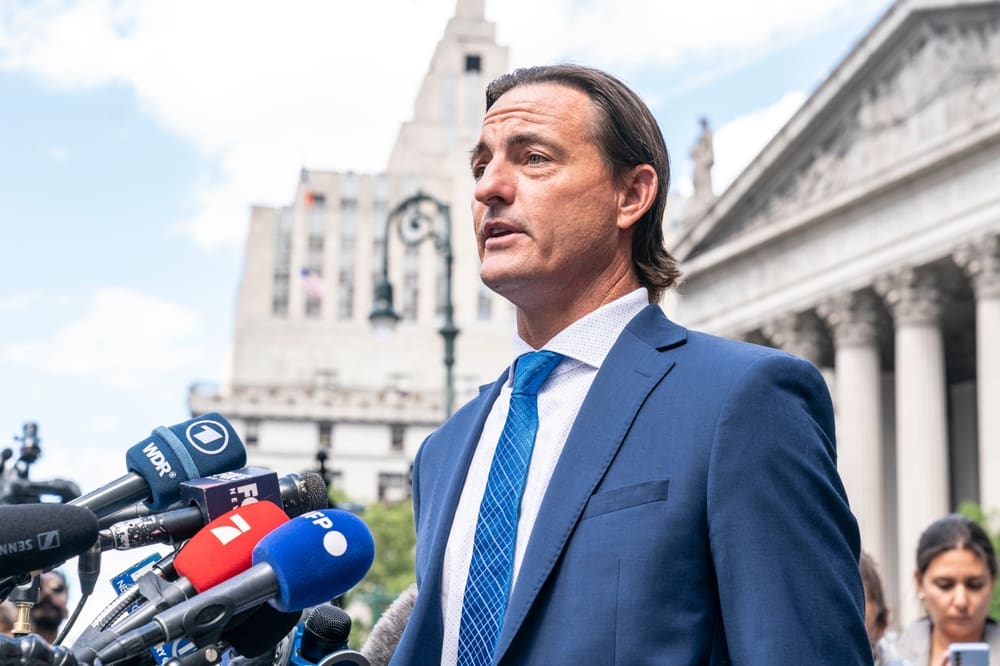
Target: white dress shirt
585,344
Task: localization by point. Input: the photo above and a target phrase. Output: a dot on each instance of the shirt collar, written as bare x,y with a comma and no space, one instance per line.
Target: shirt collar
590,338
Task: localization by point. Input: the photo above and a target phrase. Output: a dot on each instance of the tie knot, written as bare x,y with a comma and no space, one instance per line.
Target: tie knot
531,370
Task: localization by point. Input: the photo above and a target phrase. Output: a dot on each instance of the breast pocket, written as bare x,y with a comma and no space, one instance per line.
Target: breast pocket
627,497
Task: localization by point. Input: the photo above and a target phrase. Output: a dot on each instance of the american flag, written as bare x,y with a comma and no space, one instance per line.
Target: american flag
312,282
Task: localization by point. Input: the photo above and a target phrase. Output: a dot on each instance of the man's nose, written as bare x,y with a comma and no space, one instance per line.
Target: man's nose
496,184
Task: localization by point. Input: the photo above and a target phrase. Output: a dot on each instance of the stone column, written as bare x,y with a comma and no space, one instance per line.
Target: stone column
981,261
854,320
915,301
801,334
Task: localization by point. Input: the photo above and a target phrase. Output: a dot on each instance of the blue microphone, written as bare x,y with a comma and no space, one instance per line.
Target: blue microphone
304,562
157,465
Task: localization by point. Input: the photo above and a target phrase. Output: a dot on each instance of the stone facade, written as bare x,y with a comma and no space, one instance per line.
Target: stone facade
865,238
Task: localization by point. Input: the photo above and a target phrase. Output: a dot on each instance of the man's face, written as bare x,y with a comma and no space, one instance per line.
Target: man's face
546,208
50,610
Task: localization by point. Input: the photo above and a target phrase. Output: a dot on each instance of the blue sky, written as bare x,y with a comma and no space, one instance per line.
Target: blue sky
135,136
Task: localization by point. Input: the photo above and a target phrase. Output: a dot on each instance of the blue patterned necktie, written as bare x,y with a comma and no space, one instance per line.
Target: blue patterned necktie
496,529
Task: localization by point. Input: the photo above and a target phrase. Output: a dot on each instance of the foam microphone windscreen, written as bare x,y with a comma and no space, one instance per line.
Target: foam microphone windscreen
39,536
203,446
225,546
316,557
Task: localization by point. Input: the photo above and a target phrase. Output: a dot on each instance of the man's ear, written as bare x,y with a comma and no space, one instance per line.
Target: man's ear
638,192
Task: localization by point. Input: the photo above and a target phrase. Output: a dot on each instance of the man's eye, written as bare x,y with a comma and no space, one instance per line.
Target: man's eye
477,171
535,158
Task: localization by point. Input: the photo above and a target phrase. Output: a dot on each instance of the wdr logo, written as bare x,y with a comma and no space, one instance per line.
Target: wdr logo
209,437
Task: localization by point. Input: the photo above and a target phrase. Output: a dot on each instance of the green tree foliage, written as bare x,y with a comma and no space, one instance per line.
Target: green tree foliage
394,566
989,522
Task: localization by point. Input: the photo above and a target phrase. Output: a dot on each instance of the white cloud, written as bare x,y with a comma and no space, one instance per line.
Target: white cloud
18,302
737,142
264,88
127,340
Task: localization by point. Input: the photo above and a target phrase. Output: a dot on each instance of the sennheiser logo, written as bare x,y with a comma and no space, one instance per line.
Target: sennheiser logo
209,437
48,540
19,546
158,460
226,533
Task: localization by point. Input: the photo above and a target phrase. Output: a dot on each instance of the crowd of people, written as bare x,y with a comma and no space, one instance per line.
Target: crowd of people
955,575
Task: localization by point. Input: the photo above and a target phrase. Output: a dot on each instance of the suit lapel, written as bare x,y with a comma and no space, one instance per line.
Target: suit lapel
633,367
467,430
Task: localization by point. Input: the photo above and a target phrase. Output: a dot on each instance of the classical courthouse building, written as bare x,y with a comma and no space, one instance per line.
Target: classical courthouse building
864,237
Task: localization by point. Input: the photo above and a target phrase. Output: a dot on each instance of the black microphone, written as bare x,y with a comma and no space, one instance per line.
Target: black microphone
34,537
214,496
299,493
158,464
33,649
323,639
387,632
256,632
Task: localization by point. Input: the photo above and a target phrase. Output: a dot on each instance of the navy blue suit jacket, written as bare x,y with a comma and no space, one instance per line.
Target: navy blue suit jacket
695,517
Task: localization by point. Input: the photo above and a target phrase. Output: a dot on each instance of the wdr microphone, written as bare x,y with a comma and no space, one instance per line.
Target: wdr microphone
38,536
157,465
305,562
212,497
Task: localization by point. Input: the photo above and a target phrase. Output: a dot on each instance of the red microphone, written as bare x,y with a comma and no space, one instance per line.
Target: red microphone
219,551
224,547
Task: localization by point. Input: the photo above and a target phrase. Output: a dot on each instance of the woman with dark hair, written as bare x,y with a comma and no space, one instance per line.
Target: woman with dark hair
955,575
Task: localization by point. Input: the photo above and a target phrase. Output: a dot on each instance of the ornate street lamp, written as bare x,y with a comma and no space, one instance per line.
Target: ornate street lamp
418,218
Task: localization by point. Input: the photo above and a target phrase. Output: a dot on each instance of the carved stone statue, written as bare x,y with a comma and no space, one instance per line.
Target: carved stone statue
702,158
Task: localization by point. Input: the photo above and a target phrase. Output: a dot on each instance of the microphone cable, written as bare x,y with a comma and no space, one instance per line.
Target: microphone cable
88,568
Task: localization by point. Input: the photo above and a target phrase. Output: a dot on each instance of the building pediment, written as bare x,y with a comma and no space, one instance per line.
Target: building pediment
921,88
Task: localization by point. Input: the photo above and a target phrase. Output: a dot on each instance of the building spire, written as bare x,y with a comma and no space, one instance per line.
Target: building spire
470,9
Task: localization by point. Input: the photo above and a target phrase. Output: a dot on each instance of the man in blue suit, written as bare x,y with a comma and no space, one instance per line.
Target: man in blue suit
679,502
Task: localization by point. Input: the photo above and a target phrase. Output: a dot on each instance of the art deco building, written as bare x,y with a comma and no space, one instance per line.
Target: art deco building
308,375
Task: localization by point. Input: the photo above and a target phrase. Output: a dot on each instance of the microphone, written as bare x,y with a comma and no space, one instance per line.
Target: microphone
157,465
34,537
222,549
213,496
259,630
306,489
387,632
33,649
305,562
323,639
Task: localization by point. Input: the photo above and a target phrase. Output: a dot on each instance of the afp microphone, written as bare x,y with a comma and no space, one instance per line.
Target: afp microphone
157,465
34,537
213,496
305,562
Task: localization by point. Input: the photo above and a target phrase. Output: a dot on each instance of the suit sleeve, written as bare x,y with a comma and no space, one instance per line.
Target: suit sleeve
784,542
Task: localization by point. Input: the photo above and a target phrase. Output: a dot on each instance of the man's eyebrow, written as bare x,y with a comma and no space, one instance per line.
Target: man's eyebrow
514,140
476,151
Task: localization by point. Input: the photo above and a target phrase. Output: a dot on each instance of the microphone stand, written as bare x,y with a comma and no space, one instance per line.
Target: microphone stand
24,598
